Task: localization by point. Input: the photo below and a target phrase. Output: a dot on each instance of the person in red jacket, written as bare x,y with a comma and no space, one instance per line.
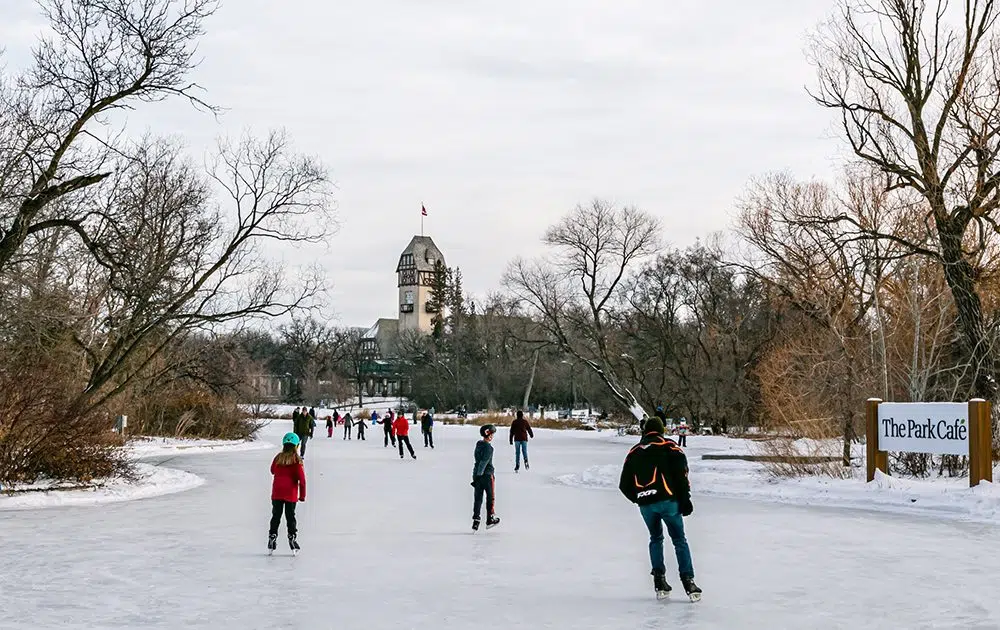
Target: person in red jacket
402,427
288,488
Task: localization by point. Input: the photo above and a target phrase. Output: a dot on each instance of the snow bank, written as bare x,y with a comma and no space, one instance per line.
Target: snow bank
942,497
144,448
152,481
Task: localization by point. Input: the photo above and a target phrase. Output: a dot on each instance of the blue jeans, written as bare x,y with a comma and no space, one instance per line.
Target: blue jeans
520,447
670,513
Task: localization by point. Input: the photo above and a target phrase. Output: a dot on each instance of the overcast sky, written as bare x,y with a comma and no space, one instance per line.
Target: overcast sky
500,117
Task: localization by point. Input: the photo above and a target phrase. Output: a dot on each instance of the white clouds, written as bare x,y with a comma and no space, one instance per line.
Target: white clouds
501,116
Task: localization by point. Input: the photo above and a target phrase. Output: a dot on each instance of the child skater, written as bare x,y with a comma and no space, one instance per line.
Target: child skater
329,426
482,479
288,488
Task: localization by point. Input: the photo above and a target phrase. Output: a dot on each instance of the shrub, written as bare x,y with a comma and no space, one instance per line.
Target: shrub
188,410
40,438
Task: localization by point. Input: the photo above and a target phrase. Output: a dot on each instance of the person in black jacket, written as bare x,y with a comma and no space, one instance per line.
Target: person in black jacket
655,477
427,428
387,430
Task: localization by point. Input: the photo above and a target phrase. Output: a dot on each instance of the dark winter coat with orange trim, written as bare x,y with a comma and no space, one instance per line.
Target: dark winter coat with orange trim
655,470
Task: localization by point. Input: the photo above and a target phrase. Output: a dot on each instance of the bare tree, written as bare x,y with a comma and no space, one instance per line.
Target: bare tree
805,253
919,101
102,56
572,293
172,264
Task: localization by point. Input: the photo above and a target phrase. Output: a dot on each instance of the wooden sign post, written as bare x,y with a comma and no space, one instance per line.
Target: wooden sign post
874,458
980,442
936,428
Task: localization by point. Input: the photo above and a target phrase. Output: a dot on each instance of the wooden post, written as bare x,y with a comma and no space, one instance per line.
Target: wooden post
980,442
874,458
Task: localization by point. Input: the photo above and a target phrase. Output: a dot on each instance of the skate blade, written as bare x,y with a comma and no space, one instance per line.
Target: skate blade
694,597
661,595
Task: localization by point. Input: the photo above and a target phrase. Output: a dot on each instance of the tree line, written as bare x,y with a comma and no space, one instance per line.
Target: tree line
134,280
121,258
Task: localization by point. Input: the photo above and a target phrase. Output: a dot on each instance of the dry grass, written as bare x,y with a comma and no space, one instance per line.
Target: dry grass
504,420
801,458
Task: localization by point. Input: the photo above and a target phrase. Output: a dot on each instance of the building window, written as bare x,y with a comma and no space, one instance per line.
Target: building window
407,277
406,260
408,297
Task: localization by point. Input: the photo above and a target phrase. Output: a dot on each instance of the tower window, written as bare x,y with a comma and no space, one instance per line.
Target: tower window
408,297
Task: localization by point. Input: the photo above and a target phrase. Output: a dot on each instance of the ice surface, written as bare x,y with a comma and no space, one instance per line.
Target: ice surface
386,545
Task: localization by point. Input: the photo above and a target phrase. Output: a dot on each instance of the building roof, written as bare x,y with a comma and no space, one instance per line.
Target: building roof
384,333
425,254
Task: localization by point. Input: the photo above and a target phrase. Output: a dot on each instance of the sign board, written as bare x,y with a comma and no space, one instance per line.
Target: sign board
938,428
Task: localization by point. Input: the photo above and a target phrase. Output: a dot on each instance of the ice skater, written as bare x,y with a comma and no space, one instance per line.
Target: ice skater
682,433
402,428
362,425
302,426
483,480
520,431
655,477
287,489
329,426
348,425
427,428
387,429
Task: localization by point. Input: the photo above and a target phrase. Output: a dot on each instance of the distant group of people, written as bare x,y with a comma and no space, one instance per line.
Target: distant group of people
654,477
682,429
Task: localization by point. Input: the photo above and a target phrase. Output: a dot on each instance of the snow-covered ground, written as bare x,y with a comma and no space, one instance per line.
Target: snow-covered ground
144,448
152,479
387,546
942,497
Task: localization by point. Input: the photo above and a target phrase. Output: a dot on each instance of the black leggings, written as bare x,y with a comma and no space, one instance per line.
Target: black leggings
484,484
428,439
389,435
401,439
277,507
347,432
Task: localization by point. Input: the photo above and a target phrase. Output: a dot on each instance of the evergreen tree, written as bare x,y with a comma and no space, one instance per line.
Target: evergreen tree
439,298
456,300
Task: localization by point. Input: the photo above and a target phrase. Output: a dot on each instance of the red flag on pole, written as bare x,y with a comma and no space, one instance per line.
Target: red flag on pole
423,210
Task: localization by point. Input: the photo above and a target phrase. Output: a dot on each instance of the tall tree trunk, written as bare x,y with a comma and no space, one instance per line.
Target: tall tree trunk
960,277
848,438
531,381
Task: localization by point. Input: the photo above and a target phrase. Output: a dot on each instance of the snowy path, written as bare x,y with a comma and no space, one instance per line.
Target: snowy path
386,544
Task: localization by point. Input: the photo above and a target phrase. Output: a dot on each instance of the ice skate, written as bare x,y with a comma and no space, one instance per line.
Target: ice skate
272,543
492,521
475,524
660,585
692,590
293,544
